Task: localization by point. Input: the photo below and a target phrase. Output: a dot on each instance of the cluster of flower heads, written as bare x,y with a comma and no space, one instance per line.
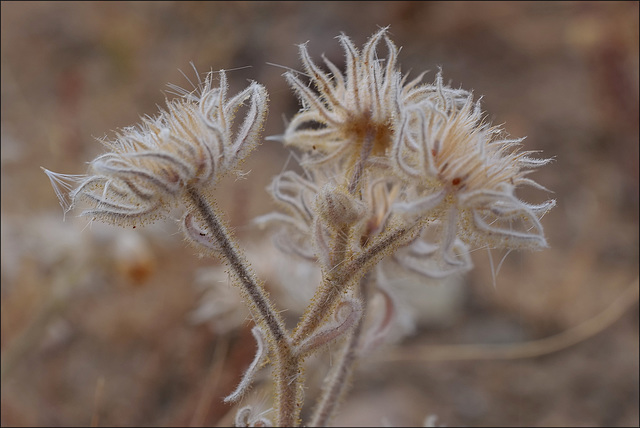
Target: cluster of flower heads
378,150
381,150
149,167
395,171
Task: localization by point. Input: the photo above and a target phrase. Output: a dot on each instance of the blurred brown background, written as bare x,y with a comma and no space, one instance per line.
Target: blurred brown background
94,320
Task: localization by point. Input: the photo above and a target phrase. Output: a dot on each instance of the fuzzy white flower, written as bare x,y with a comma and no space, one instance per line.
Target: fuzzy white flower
149,167
352,117
466,175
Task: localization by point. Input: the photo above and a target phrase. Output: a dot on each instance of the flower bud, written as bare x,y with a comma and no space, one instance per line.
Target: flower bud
338,208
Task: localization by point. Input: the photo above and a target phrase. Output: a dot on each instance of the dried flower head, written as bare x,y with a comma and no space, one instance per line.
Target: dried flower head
349,111
190,145
468,175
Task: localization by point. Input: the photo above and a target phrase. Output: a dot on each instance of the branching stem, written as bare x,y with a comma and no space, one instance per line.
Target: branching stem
254,290
340,378
328,293
287,365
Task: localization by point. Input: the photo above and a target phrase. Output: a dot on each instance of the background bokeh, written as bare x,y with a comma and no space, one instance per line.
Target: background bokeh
95,320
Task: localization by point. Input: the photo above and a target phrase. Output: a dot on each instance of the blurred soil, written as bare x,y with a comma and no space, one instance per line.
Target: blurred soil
95,320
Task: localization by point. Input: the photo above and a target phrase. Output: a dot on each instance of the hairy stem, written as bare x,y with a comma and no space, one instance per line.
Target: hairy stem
287,365
338,383
327,294
365,152
336,282
289,388
325,298
254,291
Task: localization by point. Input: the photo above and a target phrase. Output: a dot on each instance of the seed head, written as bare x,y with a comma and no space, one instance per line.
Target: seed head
191,144
347,109
468,175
